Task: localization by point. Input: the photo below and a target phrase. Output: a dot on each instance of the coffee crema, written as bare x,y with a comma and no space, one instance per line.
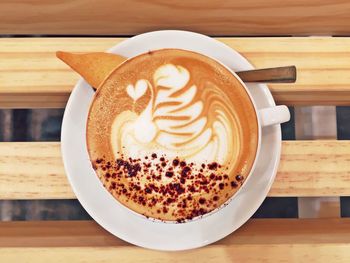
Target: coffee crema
172,134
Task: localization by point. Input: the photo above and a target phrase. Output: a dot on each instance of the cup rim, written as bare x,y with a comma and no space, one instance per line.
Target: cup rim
256,155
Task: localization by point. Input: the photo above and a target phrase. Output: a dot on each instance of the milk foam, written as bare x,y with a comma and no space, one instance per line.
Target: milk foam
174,125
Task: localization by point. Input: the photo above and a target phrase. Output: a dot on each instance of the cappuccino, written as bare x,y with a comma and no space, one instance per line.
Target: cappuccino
172,134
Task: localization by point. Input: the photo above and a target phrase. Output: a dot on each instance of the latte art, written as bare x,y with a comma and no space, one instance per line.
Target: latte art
179,120
172,134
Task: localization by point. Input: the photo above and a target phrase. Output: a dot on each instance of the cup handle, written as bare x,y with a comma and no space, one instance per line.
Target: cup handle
274,115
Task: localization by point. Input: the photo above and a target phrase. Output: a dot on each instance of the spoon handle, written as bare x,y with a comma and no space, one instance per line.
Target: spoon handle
286,74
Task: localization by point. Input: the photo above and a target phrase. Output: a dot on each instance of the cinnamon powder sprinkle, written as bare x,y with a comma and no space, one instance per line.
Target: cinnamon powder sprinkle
166,183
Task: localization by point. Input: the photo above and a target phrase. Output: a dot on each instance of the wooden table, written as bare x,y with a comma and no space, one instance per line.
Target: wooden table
31,77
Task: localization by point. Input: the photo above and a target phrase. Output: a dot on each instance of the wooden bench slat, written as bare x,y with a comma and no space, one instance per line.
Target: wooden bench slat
238,17
32,77
55,234
259,240
323,253
34,170
255,231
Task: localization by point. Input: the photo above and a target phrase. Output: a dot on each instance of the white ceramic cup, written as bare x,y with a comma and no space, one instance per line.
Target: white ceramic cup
274,115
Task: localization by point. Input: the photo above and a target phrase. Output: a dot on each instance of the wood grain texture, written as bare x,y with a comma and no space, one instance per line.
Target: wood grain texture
89,233
259,240
214,17
32,77
32,171
301,253
308,168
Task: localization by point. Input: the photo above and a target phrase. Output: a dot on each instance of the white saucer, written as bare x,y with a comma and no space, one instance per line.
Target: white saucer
133,228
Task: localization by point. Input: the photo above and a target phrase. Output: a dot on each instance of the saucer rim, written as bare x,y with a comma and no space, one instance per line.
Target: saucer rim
66,126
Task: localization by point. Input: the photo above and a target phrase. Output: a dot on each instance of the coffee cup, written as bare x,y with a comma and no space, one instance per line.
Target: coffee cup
174,135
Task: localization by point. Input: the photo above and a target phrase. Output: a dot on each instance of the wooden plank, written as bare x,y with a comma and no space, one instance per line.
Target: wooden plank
56,234
323,253
34,170
215,17
32,77
255,231
313,168
259,240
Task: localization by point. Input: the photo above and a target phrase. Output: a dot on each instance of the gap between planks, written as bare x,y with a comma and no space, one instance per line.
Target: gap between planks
34,170
32,77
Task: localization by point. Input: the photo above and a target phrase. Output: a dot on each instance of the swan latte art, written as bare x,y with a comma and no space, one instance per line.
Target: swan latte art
172,134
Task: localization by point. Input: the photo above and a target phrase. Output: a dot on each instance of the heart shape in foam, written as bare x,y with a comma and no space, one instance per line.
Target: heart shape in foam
137,91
